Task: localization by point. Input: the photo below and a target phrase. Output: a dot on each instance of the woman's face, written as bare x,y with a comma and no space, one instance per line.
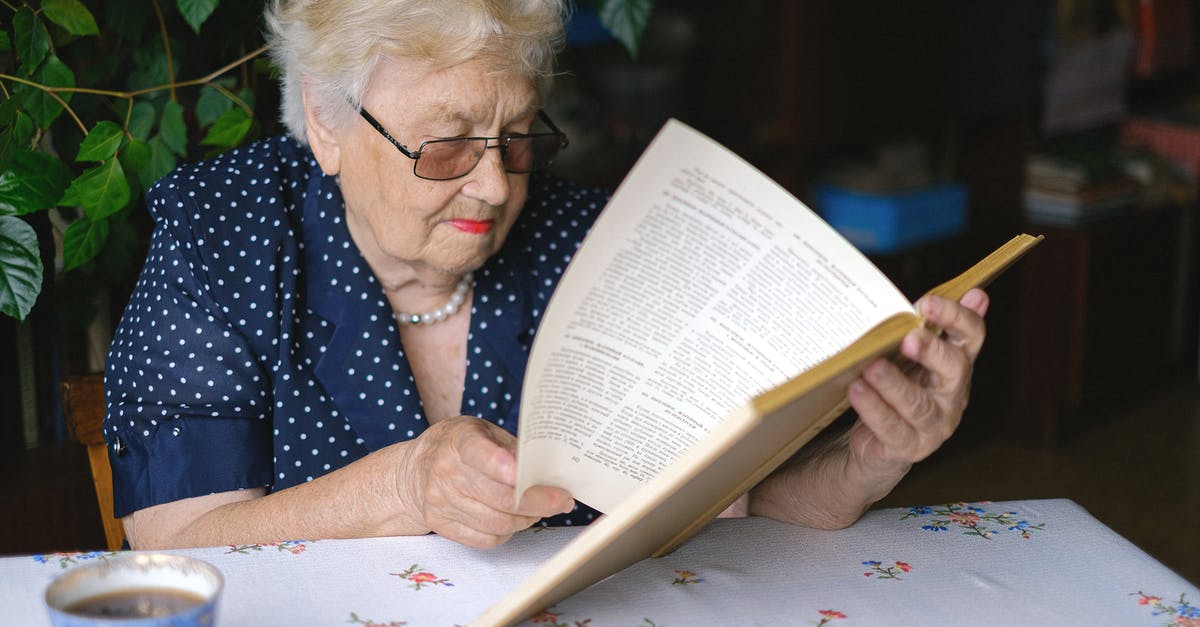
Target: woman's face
403,223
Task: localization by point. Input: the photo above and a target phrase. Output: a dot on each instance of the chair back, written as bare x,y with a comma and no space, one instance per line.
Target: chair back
83,408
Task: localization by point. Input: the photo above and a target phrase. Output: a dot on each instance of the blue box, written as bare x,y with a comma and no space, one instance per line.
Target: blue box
885,223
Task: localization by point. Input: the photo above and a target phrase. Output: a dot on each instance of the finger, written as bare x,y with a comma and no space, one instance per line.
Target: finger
468,536
544,501
892,431
487,523
537,502
487,452
904,397
976,300
489,474
962,325
478,504
948,366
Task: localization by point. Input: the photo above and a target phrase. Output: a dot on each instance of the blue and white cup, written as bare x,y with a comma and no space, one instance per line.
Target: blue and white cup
136,590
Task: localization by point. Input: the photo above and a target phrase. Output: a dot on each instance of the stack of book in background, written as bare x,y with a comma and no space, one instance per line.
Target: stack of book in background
1078,183
1172,133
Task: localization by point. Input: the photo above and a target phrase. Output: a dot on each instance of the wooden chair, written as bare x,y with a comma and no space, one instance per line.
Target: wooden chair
83,408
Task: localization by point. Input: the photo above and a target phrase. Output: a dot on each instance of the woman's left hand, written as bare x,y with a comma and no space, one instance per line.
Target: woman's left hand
906,416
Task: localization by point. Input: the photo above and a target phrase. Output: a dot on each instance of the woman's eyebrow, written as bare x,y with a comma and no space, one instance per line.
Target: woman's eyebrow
446,112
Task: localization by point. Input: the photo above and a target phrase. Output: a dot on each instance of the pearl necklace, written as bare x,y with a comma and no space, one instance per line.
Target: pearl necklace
441,313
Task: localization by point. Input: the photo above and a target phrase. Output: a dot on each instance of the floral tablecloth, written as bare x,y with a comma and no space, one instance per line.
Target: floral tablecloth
1045,562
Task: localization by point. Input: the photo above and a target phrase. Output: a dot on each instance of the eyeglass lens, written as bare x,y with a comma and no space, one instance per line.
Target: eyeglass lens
452,158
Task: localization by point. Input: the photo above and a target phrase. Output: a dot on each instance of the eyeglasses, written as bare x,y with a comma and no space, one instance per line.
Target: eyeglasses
446,159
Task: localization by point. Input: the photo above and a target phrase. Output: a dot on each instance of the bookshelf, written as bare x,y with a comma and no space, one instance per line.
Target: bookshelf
1104,316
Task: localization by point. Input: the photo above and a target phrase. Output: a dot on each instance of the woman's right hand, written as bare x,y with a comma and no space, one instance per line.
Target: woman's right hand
459,482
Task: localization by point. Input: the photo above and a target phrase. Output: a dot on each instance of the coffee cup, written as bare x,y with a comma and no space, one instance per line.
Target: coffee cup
136,590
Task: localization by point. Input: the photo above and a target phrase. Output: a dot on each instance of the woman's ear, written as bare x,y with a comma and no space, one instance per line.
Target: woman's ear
324,142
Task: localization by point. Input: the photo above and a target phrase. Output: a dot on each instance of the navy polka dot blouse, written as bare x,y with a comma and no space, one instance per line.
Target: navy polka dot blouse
258,349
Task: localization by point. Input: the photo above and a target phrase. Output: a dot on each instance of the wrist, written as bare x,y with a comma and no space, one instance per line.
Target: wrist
873,479
397,500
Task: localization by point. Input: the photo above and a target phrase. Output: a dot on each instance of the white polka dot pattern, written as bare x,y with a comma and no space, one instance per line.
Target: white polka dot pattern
258,348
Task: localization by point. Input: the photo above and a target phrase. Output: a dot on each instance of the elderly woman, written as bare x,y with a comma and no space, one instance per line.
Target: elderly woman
331,328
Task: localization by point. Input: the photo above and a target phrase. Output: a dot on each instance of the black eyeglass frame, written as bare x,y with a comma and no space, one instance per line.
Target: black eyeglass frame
502,144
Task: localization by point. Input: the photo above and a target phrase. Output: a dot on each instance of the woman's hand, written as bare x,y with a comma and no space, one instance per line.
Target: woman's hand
906,416
459,481
903,417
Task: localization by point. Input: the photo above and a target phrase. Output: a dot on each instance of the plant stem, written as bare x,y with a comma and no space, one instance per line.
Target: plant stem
232,96
162,27
148,90
50,92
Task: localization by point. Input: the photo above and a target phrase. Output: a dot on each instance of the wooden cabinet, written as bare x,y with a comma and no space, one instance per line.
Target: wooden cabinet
1105,312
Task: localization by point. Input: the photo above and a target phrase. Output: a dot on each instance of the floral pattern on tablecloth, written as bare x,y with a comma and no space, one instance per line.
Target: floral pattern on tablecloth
550,618
686,578
973,520
71,557
355,619
1181,613
827,616
879,571
419,578
295,547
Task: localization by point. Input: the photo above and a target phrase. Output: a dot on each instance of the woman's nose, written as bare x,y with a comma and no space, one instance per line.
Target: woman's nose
489,179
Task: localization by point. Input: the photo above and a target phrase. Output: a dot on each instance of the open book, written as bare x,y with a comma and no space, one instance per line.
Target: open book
705,330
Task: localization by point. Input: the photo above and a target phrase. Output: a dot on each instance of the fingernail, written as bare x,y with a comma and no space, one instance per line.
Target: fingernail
570,506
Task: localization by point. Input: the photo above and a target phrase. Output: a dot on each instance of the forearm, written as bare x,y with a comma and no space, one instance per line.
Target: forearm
360,500
823,487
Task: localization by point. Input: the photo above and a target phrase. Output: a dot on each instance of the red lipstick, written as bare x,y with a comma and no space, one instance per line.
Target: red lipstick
477,227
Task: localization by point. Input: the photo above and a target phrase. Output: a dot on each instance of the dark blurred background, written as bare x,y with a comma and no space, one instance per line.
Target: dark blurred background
1078,120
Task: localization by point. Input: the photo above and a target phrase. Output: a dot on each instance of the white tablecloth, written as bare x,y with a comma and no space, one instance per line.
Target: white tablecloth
1045,562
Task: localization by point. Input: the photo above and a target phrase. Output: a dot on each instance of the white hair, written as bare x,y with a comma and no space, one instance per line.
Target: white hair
332,46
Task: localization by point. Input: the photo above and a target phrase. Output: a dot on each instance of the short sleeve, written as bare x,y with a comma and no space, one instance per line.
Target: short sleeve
187,397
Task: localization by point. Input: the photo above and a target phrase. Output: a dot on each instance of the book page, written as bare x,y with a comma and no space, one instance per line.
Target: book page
701,285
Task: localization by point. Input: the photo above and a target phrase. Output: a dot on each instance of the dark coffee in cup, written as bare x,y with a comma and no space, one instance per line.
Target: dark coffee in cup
136,603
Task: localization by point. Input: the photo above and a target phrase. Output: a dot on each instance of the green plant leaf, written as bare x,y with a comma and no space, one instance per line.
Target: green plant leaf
626,20
83,240
247,96
148,161
141,120
33,181
101,143
172,130
5,42
228,130
24,130
33,42
20,267
100,191
17,133
195,12
41,106
149,68
30,38
8,146
8,132
71,15
210,105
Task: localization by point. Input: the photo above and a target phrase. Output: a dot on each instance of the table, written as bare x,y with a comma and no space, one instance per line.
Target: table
1043,562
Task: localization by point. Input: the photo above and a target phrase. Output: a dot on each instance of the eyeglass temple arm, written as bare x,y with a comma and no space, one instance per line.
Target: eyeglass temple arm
413,155
383,131
553,127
